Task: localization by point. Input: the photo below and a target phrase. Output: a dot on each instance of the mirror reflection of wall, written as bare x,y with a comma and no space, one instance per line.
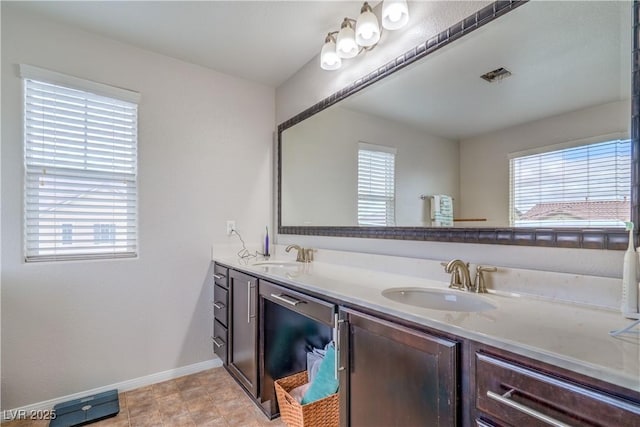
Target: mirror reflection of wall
456,134
320,168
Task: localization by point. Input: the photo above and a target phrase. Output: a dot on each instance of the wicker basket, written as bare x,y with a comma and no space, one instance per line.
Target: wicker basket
321,413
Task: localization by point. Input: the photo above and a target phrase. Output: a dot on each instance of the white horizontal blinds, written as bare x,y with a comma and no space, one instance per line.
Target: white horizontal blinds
376,185
81,174
585,186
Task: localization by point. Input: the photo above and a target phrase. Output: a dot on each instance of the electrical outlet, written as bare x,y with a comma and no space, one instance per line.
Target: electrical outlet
231,225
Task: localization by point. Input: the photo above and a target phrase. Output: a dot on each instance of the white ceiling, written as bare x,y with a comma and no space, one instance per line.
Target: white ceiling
564,56
263,41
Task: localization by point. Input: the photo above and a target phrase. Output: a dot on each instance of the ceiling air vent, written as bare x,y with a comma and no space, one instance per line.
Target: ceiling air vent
496,75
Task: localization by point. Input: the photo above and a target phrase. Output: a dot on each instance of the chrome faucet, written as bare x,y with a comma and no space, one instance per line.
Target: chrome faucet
304,255
460,278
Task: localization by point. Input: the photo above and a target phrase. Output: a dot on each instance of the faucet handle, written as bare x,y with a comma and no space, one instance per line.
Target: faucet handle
479,282
454,279
308,254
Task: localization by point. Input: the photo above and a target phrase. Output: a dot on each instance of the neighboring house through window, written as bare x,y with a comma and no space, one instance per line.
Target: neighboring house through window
67,234
376,185
104,233
580,186
80,153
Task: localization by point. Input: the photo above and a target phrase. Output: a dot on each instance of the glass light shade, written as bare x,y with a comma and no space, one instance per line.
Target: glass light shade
395,14
329,59
367,29
346,45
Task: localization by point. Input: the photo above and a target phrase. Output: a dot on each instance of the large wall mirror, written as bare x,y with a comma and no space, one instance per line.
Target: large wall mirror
514,127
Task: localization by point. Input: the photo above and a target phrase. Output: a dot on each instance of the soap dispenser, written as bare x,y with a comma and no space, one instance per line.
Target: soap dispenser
629,305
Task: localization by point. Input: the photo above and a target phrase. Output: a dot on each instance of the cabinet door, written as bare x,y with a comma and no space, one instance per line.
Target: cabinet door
243,331
395,376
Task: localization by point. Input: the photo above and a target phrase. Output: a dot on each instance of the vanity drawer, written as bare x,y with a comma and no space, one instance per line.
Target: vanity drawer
220,275
520,396
309,306
220,338
221,304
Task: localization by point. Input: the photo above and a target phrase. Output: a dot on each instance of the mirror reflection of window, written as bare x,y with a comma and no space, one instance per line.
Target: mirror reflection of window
376,184
582,186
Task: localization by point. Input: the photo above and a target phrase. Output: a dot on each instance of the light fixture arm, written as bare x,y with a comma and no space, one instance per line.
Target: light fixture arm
331,37
347,22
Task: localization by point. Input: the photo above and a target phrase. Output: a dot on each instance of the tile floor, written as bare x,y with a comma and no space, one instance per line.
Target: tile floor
208,398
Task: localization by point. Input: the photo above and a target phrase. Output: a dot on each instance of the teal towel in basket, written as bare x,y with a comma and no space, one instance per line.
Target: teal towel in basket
325,383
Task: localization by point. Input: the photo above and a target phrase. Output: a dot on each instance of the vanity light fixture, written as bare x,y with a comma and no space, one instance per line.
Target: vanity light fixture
357,36
395,14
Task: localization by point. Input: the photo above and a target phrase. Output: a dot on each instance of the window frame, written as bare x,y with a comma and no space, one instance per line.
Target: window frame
390,202
618,137
61,248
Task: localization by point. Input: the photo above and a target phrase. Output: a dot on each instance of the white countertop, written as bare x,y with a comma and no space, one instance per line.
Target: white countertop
569,336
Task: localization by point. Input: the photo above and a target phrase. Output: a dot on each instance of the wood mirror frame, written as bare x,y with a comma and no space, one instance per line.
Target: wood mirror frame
588,238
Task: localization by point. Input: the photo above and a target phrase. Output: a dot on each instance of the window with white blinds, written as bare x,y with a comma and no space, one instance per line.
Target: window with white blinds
80,152
376,185
584,186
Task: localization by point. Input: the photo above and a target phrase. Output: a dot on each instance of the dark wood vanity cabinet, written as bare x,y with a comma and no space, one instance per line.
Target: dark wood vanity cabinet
391,375
243,330
517,392
394,373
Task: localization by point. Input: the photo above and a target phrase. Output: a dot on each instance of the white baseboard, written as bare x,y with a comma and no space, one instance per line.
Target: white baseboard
121,386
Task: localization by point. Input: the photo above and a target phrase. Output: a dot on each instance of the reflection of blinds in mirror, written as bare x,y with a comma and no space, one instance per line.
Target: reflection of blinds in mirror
376,185
585,186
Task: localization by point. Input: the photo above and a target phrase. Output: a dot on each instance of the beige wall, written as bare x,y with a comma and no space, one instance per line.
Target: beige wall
70,327
320,177
311,84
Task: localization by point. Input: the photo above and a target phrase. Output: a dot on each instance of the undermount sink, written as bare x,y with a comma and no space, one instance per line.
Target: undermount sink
439,299
277,264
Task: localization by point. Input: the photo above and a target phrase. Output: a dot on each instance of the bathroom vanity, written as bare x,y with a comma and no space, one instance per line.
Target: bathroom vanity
548,364
503,360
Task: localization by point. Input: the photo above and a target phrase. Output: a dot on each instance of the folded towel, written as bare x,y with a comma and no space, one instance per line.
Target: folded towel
324,384
442,210
314,357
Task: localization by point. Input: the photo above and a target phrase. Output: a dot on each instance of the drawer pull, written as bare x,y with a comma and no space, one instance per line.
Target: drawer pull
505,399
216,342
218,276
287,299
218,305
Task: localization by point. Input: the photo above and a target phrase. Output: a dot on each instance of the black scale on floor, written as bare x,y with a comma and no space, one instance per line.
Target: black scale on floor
86,410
